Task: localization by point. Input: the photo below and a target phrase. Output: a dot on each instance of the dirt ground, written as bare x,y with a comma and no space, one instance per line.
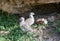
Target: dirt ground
49,34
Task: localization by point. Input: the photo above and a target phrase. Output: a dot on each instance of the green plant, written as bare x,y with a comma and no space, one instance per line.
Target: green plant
58,26
9,22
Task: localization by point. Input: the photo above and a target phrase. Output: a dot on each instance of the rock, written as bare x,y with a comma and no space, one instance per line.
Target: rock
51,18
4,32
22,6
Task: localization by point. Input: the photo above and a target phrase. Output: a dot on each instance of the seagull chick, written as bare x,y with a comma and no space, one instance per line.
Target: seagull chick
24,27
30,20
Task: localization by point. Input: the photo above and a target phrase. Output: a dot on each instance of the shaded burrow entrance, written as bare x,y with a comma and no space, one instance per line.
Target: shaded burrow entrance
43,9
46,8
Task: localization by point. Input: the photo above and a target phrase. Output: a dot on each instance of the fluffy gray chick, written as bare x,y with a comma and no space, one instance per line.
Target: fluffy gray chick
30,20
24,26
